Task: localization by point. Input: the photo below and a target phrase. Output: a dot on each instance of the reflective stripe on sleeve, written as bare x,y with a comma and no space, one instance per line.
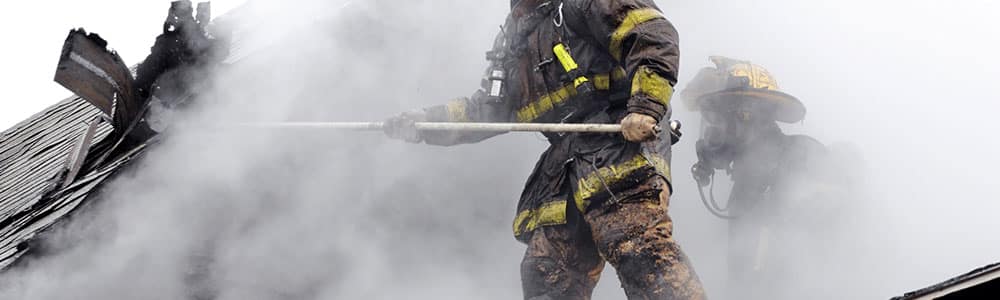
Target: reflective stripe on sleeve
633,19
651,84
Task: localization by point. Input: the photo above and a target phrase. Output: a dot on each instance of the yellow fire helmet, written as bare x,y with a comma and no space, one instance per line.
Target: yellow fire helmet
735,83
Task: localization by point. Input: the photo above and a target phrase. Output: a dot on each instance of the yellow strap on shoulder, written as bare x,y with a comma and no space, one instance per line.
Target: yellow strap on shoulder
568,63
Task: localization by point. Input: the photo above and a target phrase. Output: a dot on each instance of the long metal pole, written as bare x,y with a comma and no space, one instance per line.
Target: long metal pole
445,126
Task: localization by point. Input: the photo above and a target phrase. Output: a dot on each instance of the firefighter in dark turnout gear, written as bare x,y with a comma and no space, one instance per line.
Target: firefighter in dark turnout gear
592,197
774,175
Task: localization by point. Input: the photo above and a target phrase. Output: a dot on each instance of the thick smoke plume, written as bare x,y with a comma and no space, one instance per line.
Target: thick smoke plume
235,214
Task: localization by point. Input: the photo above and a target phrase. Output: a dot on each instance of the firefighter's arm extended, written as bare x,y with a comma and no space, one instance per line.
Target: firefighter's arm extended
645,44
477,108
485,105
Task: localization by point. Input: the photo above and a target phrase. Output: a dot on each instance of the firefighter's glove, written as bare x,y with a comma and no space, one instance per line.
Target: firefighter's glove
638,127
403,126
702,173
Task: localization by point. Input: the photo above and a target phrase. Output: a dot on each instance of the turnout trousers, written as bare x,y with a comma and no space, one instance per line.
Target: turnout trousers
634,236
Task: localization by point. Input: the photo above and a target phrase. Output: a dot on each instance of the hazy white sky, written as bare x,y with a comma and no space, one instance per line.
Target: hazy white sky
33,36
33,33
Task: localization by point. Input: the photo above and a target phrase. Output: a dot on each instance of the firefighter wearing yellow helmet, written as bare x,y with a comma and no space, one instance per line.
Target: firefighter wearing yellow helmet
741,84
741,105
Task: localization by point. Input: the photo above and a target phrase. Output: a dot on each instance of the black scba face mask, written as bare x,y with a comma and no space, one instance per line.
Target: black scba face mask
723,134
714,129
717,144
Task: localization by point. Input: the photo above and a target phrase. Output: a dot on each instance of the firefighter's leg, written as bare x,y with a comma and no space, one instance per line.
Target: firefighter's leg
752,268
636,237
560,263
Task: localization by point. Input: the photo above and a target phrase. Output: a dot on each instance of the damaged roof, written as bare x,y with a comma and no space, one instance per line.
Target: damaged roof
977,284
43,176
57,160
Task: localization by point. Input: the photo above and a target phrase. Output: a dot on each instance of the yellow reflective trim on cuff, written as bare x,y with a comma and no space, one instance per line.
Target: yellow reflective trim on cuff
653,85
457,111
551,213
600,180
632,19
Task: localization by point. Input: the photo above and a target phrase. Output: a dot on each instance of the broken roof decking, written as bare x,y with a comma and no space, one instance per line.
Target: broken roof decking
34,156
967,286
33,162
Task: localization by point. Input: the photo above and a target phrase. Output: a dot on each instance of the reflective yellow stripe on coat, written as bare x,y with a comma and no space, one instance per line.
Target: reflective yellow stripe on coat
554,212
600,180
632,20
546,103
551,213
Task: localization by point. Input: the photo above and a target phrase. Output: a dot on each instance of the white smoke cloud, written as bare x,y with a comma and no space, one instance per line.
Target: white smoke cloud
319,214
904,83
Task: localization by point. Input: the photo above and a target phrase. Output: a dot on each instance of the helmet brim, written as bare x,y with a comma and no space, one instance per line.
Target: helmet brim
781,106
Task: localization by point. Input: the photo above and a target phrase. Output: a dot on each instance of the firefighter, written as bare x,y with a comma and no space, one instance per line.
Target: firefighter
741,105
592,197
